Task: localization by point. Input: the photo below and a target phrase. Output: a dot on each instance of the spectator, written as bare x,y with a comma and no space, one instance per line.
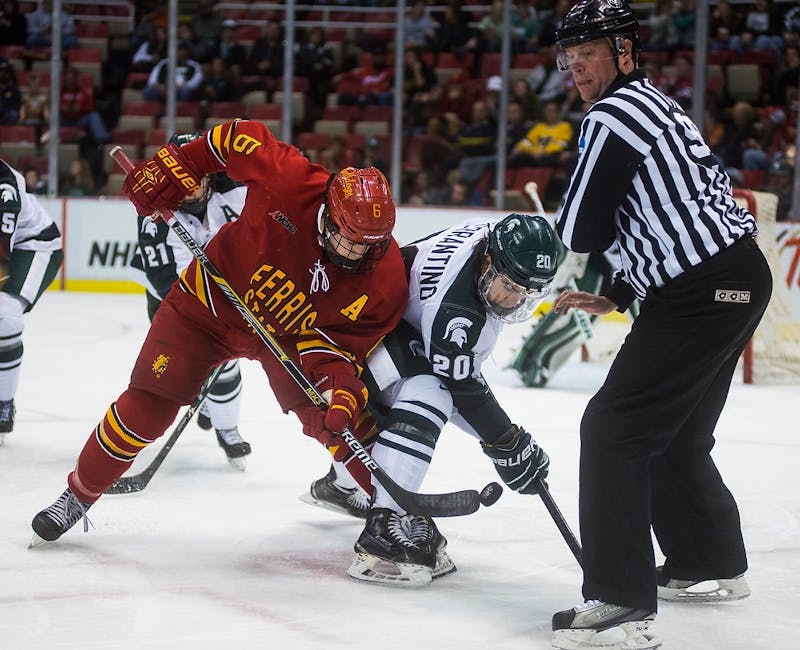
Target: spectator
40,27
188,77
314,61
518,126
476,143
458,193
266,57
220,83
9,94
35,105
34,182
186,36
787,77
376,83
546,80
526,26
207,25
531,106
150,51
680,83
726,26
494,86
490,28
739,145
763,28
547,144
420,28
780,180
13,25
664,36
78,180
332,156
418,82
77,108
371,156
230,50
451,104
453,33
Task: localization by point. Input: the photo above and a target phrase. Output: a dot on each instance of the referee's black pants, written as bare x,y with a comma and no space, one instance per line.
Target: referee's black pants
646,436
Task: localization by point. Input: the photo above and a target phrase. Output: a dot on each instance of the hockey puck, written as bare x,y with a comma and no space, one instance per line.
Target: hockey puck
490,494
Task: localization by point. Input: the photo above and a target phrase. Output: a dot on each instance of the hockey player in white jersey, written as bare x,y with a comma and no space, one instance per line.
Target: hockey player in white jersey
464,284
162,256
30,255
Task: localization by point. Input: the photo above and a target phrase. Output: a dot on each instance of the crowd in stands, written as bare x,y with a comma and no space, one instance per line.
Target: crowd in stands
344,80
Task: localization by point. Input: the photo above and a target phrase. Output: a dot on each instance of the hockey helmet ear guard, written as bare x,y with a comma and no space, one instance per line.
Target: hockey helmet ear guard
356,221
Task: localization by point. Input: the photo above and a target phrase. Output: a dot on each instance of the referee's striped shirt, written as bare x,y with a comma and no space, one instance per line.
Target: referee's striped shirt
647,179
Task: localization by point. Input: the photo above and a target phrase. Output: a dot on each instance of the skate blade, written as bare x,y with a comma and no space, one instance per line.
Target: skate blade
370,568
444,565
633,635
36,541
708,591
332,507
238,463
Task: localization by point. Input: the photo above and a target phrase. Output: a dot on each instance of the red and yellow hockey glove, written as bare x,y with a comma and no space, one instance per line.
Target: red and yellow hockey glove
347,400
162,181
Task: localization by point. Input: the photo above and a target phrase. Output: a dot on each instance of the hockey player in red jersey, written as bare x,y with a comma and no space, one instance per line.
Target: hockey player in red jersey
313,258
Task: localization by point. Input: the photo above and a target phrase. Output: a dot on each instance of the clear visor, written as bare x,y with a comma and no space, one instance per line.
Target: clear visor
582,54
507,300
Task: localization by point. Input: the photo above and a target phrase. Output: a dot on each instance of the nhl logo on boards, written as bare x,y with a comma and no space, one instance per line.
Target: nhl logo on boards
725,295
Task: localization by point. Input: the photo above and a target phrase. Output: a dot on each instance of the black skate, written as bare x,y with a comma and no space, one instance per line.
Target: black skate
596,624
203,419
426,535
236,447
55,520
325,493
386,554
708,590
7,412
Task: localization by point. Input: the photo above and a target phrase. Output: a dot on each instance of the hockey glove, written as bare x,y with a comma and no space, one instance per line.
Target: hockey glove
162,181
346,401
518,460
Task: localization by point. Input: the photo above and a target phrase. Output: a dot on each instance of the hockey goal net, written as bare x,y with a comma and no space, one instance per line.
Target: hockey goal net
773,355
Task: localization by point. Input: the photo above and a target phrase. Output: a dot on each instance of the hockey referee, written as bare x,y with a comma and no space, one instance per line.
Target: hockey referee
647,180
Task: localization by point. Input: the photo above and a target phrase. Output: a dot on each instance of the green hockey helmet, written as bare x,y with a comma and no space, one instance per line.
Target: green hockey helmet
523,254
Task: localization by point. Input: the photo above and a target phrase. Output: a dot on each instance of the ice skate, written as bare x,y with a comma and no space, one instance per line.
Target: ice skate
426,535
203,418
324,492
55,520
7,412
596,624
713,590
236,447
386,554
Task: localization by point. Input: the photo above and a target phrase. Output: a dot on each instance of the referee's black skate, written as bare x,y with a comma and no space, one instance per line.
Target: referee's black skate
595,624
386,554
324,492
708,590
235,447
56,519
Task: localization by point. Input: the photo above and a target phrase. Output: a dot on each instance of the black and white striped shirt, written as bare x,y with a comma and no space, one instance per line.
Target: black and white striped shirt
646,179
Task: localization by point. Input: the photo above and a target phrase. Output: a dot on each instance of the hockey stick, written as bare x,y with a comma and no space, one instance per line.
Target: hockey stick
138,482
451,504
560,522
585,325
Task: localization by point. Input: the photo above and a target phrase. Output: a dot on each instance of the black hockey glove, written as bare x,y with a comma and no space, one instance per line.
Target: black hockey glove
518,460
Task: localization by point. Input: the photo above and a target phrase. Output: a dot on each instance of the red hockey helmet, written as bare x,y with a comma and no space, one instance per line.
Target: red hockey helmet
360,209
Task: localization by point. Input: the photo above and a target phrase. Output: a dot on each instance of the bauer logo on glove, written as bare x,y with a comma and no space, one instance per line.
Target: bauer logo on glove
178,171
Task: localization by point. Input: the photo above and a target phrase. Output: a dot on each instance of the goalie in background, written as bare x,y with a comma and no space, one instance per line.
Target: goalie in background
465,283
554,338
161,258
30,256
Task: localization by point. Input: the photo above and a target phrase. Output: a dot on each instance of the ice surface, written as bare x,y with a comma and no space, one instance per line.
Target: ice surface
208,557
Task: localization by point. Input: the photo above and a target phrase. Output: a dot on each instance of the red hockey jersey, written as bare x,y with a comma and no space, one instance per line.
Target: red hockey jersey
272,258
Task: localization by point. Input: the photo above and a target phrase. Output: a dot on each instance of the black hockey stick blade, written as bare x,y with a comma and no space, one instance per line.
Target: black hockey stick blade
561,523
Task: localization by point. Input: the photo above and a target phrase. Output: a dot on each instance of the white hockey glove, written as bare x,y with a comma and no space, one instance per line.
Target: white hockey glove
518,460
